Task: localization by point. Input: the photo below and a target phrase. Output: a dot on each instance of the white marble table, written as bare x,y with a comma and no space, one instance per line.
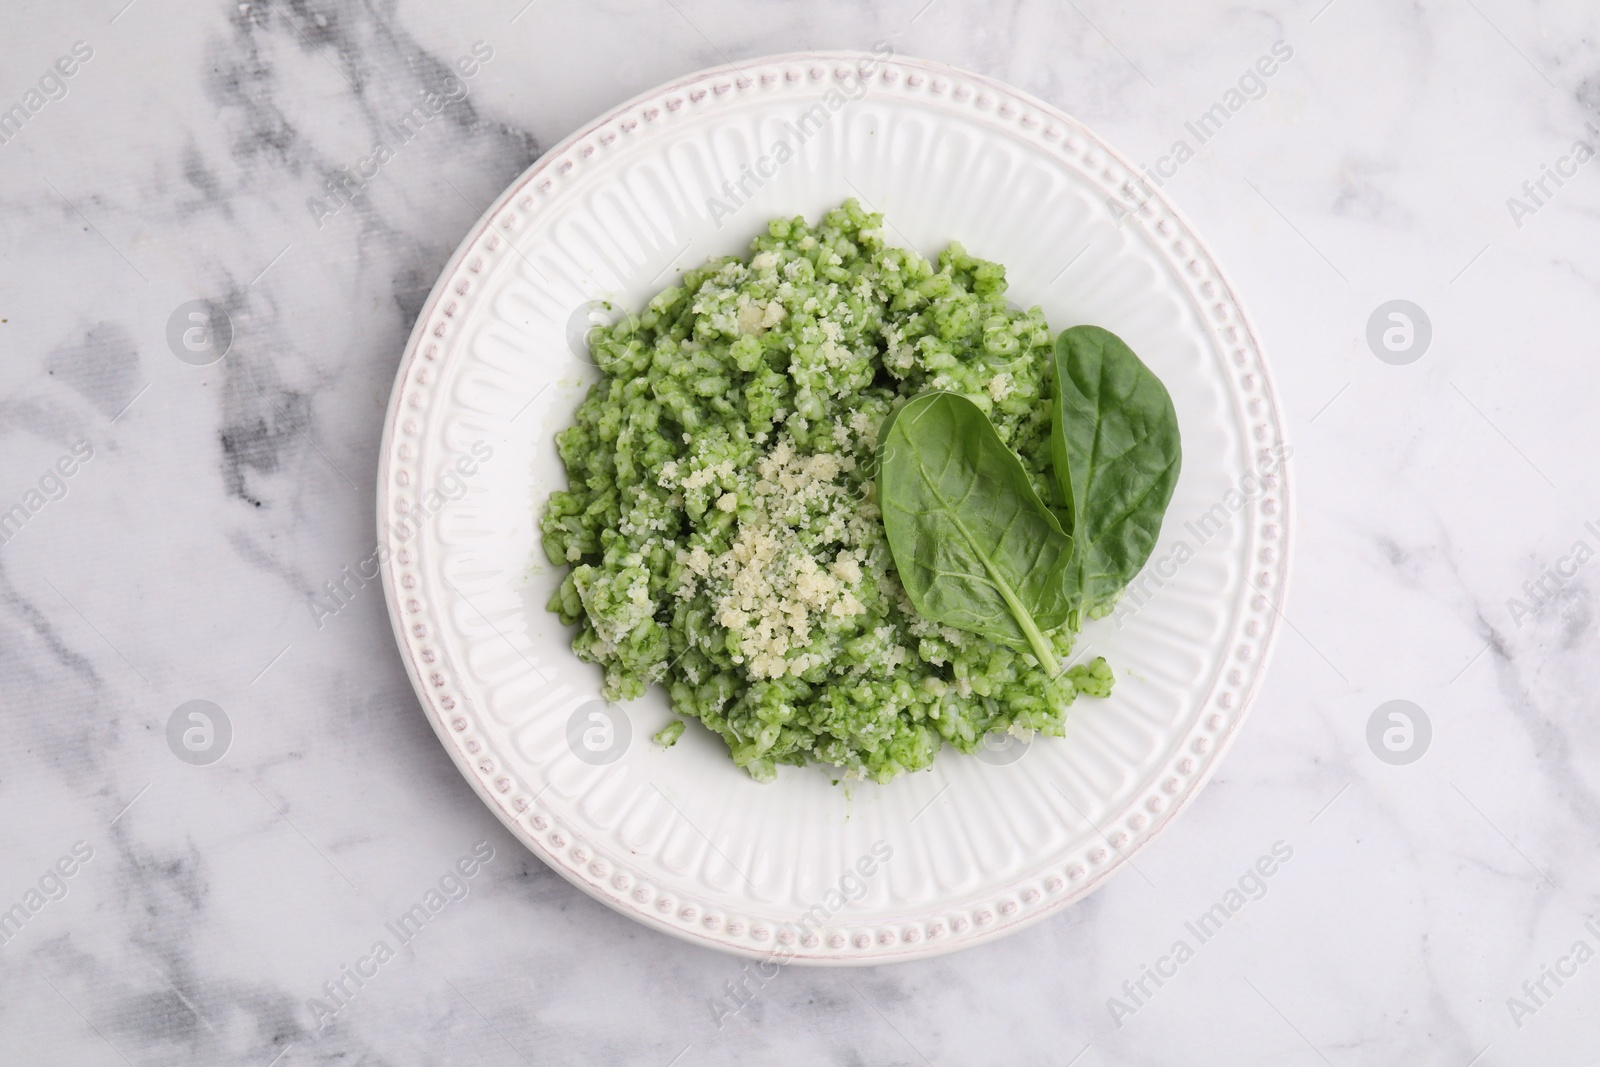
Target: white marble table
191,155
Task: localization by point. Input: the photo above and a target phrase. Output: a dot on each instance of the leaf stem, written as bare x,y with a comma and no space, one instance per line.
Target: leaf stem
1041,647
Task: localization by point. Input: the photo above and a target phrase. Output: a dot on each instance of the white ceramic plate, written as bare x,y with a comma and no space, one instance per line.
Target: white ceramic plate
682,840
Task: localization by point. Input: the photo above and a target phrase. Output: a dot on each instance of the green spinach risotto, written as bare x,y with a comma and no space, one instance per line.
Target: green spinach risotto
724,523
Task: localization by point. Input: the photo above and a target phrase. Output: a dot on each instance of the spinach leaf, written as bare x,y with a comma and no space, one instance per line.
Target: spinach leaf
1115,447
975,546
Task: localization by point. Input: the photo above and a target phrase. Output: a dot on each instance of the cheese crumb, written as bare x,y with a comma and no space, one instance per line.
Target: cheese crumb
864,428
768,587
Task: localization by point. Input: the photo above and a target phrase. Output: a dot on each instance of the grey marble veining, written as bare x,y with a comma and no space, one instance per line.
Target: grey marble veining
1428,912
